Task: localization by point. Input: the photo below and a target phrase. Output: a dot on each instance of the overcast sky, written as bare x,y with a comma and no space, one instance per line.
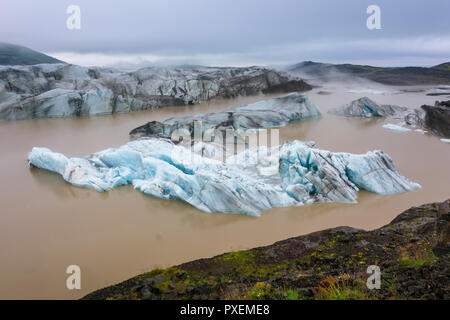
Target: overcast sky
232,32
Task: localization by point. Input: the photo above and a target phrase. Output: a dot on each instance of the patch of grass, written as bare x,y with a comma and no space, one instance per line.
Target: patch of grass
260,291
417,261
392,288
417,256
341,288
292,295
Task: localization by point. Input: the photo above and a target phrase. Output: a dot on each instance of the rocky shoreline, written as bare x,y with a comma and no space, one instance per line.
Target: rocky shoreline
413,253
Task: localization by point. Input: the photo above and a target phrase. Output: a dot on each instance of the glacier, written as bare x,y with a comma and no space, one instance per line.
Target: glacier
249,182
62,90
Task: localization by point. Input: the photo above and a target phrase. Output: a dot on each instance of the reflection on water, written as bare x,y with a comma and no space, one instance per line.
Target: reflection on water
52,182
47,224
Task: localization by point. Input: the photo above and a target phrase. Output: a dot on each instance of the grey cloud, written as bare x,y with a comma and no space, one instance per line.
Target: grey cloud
246,30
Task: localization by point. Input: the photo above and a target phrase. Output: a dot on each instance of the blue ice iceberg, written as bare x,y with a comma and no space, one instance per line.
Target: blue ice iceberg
249,182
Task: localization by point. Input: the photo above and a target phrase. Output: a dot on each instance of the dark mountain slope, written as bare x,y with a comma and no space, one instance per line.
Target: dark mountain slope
11,54
439,74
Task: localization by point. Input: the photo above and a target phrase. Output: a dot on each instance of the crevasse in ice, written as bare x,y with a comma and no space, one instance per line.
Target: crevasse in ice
292,174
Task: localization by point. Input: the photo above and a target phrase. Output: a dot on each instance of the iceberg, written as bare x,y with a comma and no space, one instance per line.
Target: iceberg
249,182
396,127
367,108
435,118
275,112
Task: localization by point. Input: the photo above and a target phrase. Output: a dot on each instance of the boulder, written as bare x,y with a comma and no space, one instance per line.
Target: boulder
437,118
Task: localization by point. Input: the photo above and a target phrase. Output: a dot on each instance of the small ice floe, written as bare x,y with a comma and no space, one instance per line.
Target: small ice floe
445,140
368,91
439,91
399,127
395,127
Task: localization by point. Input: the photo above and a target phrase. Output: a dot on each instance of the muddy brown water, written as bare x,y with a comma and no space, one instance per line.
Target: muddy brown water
46,224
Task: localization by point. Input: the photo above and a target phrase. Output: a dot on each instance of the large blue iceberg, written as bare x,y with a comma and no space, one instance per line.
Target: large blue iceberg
249,182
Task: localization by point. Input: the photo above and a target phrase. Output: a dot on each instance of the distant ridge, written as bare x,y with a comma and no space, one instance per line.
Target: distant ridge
443,66
11,54
439,74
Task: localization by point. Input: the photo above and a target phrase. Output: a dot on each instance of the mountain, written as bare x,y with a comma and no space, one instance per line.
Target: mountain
443,66
439,74
11,54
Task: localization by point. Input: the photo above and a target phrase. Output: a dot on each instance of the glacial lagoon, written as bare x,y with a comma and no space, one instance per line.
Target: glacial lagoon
48,224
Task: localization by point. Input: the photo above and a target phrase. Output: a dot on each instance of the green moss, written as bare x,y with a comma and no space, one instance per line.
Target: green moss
260,291
167,273
304,260
177,281
292,295
131,296
245,263
237,256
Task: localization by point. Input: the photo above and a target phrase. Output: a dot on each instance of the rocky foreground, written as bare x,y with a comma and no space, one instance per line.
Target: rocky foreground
413,253
62,90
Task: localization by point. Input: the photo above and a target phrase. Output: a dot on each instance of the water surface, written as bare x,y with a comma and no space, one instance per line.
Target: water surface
46,224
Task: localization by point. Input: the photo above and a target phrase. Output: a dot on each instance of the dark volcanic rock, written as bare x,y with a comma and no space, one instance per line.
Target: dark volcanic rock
437,118
411,251
289,86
